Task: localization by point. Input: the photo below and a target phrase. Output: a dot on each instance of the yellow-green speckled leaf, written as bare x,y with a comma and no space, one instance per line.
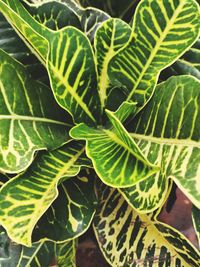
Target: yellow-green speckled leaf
128,238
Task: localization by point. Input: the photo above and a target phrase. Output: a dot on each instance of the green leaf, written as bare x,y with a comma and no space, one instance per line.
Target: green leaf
66,254
116,8
53,14
11,43
128,238
62,13
30,118
161,33
43,254
112,35
116,158
196,221
32,32
189,63
73,75
71,213
148,195
26,197
167,132
9,251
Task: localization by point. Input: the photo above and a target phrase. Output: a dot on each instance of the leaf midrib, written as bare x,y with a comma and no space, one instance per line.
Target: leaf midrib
30,118
166,141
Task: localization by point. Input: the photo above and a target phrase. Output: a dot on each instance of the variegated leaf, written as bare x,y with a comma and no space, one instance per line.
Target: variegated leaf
45,254
12,44
73,75
9,251
162,31
71,213
110,37
128,238
67,12
26,197
32,32
196,222
30,118
116,8
116,158
189,63
168,134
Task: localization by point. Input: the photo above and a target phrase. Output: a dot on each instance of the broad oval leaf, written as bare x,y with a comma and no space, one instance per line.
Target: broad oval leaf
70,215
26,197
116,158
162,31
128,238
30,118
168,134
112,35
73,75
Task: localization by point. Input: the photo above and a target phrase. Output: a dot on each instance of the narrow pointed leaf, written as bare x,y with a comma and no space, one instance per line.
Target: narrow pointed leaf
161,33
167,132
25,198
128,238
71,213
115,156
110,37
196,222
73,75
30,118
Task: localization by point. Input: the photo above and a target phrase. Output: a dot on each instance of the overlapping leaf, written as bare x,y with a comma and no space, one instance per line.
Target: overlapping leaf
110,37
32,32
196,221
116,158
162,32
128,238
73,75
9,251
25,198
116,8
12,44
58,14
30,118
71,213
167,132
189,63
45,253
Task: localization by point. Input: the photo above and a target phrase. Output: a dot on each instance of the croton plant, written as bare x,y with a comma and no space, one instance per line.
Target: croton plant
93,133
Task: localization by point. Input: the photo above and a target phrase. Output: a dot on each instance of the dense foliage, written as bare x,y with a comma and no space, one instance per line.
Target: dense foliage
99,116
